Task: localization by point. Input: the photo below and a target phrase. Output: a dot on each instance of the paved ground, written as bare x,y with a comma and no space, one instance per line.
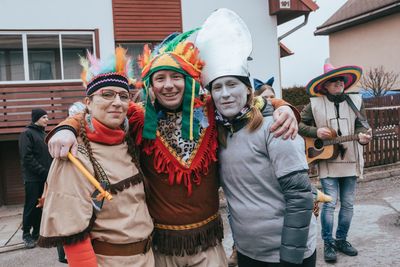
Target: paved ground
375,231
10,223
375,228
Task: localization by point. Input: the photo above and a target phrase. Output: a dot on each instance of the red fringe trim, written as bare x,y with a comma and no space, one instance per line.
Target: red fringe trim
165,162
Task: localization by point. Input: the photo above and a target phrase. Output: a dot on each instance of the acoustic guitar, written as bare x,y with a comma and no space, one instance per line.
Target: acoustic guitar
318,149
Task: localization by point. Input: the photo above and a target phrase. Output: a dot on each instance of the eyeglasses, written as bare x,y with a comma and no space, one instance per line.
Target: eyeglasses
111,94
335,79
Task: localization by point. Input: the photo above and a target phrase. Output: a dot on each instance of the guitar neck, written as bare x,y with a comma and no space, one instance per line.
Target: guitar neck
341,139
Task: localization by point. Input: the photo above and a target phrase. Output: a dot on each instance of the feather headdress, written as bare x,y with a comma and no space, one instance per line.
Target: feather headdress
175,54
115,70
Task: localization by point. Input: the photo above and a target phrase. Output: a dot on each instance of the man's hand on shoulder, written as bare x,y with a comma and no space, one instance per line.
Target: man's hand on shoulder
61,143
285,123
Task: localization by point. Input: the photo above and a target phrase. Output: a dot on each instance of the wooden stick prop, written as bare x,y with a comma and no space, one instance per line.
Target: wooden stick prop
89,176
321,197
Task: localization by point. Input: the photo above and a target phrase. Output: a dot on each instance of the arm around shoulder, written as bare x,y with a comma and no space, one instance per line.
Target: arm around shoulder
307,124
70,123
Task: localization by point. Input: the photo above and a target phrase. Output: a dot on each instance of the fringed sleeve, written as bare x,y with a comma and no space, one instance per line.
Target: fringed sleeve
68,214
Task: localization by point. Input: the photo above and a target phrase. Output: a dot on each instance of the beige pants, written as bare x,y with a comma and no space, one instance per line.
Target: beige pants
140,260
212,257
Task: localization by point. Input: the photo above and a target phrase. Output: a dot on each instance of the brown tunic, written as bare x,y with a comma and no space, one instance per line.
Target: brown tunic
171,207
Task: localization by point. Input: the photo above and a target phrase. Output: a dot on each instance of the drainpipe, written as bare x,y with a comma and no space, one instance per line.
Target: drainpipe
287,34
295,28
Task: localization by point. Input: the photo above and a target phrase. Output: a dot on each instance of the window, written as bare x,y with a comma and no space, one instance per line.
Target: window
43,56
74,46
11,58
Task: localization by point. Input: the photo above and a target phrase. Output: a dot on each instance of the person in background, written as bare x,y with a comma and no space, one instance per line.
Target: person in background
330,114
35,163
264,89
76,108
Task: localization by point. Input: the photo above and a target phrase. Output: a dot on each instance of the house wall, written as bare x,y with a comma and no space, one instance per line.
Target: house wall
11,182
150,20
45,15
60,15
262,26
369,45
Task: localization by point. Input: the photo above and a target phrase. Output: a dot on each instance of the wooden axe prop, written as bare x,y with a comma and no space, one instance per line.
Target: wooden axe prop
99,194
319,196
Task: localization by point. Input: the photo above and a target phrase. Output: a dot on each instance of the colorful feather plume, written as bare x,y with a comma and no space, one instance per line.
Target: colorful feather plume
175,44
118,63
171,45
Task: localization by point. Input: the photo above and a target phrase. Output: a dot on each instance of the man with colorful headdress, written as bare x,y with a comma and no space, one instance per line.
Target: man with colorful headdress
333,111
178,142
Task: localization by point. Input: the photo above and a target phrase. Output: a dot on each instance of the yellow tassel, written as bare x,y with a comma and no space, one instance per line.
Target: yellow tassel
191,110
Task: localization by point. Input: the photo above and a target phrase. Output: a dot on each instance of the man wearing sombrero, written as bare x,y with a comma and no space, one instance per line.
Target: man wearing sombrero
334,111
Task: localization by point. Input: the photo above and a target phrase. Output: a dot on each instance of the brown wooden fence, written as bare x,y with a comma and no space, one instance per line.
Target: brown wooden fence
17,101
383,101
384,147
383,114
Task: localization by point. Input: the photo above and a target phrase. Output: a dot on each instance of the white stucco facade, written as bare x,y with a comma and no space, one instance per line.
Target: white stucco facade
262,26
78,15
60,15
370,45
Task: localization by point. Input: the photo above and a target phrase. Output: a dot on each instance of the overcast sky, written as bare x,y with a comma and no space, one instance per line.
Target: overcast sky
310,51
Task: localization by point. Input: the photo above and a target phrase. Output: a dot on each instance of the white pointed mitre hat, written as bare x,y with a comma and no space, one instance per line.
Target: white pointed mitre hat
225,46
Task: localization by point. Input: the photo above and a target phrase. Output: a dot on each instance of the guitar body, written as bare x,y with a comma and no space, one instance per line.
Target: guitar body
315,150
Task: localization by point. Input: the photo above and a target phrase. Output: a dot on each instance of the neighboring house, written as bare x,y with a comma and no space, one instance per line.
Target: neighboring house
365,33
40,45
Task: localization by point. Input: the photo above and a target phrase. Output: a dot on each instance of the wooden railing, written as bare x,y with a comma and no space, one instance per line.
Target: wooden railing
383,149
382,101
17,101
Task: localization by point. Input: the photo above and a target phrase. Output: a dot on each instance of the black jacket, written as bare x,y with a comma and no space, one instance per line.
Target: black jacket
34,154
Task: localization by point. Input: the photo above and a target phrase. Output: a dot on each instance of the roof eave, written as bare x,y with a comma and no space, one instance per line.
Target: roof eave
372,15
310,4
284,50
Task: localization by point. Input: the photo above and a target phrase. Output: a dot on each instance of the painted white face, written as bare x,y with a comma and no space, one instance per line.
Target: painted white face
229,95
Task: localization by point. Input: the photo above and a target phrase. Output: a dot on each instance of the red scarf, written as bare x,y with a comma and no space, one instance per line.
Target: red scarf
104,135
